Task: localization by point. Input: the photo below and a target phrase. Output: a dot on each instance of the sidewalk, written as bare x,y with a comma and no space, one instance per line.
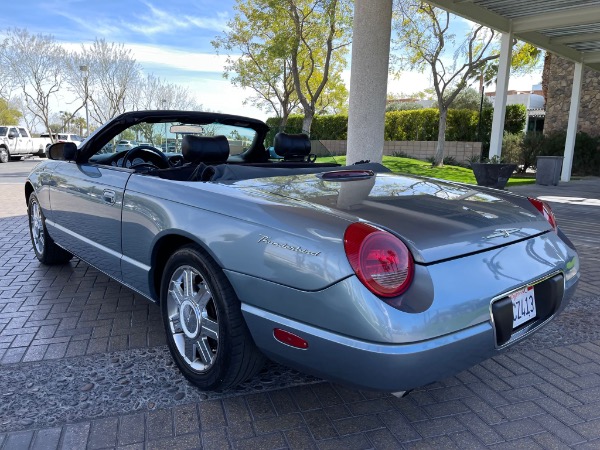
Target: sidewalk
83,365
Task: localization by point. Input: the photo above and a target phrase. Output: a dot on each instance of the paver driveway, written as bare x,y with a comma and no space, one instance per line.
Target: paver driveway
83,364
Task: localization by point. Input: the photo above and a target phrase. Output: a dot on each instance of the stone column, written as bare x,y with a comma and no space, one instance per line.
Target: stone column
501,94
368,79
572,126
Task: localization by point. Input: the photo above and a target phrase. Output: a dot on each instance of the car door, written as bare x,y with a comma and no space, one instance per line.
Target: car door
25,142
86,202
13,142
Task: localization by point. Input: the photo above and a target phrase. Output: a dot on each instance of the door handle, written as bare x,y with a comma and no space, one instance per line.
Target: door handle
109,196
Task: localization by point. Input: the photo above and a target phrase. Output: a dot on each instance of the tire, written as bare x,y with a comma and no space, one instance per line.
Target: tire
4,155
206,333
44,247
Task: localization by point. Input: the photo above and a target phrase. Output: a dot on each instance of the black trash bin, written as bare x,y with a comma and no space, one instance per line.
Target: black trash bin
548,170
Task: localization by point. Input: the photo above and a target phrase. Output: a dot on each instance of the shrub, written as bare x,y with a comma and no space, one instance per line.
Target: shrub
532,145
586,157
416,125
412,125
461,125
512,147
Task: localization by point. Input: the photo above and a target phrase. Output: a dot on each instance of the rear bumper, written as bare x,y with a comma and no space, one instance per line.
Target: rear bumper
379,366
367,365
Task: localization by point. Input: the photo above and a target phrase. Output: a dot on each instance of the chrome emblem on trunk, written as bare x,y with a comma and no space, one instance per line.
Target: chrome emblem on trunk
502,233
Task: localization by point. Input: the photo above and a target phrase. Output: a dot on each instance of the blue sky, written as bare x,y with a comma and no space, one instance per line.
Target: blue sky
170,39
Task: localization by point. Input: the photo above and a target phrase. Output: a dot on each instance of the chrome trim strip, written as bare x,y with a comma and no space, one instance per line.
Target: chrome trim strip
84,239
527,331
102,248
136,263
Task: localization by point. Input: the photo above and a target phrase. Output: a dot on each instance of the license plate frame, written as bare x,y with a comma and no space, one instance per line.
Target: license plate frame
524,306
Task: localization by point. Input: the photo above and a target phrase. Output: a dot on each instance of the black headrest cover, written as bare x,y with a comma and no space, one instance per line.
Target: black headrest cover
290,145
209,150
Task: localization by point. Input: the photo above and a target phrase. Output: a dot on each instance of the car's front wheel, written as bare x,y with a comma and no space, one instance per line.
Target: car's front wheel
44,247
206,333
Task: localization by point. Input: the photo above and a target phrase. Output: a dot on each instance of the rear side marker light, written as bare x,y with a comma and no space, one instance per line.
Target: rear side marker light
290,339
545,210
381,261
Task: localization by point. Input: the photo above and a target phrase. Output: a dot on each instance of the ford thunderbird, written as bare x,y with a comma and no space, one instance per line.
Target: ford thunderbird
351,273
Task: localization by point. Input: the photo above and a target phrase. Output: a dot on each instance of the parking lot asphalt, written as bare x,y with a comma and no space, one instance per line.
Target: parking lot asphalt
83,364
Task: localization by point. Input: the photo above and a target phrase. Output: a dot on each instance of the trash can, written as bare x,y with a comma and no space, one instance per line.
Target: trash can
548,170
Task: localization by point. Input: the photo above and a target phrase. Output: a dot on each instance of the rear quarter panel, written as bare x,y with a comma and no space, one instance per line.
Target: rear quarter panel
252,236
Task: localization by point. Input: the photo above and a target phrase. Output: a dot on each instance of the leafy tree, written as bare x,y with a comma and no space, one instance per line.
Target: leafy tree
152,92
33,64
423,34
403,106
291,53
469,98
78,125
257,58
113,73
319,42
8,115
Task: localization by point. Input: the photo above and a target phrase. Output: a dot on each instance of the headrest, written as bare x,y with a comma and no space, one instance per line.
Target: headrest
209,150
291,146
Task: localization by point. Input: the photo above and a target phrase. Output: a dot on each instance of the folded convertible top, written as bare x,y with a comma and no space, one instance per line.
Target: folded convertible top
227,172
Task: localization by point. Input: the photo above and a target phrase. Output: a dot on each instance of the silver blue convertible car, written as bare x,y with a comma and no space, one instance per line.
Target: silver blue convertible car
351,273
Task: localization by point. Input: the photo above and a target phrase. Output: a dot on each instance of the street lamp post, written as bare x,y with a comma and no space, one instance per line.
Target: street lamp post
85,70
164,104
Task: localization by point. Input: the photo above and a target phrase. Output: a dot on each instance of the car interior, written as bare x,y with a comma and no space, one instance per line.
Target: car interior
200,151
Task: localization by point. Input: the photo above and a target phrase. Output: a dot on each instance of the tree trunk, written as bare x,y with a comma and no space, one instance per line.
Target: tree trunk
307,122
439,149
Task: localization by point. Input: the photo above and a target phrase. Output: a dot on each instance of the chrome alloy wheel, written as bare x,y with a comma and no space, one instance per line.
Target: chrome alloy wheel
193,318
37,227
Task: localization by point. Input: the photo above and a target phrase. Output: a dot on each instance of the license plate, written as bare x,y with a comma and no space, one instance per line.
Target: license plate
523,302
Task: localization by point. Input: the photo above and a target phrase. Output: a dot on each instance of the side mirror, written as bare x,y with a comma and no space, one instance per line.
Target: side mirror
12,135
62,151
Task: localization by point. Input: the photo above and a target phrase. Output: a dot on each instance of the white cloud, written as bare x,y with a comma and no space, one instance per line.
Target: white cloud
169,57
159,21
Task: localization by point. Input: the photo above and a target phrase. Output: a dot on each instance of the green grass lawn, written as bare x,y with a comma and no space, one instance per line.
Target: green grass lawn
450,173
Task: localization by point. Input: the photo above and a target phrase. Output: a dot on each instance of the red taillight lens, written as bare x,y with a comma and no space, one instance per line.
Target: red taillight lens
546,211
380,260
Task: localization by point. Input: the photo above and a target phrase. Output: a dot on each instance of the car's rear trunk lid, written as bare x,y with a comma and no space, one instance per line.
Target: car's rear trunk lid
438,220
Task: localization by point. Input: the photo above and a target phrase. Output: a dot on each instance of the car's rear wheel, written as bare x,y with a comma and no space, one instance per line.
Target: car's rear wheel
206,333
44,247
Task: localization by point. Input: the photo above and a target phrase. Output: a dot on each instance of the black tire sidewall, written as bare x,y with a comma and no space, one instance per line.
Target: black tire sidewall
215,376
4,155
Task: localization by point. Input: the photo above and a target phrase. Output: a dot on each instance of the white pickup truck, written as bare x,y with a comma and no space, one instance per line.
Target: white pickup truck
16,142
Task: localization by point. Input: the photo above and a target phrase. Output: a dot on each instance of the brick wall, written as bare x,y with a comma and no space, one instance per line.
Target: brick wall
462,151
558,102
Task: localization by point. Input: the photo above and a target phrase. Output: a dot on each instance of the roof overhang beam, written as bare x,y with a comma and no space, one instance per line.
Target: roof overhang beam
576,38
591,58
560,19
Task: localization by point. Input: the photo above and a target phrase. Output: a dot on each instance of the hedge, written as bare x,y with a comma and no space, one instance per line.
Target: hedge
586,155
415,125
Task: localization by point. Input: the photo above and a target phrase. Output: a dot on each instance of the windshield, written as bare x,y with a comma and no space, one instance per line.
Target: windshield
3,131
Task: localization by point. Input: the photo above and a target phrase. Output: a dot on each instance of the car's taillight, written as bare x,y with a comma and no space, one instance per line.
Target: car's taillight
380,260
546,211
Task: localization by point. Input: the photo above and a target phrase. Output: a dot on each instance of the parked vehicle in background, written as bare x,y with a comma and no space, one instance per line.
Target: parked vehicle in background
125,145
63,137
16,142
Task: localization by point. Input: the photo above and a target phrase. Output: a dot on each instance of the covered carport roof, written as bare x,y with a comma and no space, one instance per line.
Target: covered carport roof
569,28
